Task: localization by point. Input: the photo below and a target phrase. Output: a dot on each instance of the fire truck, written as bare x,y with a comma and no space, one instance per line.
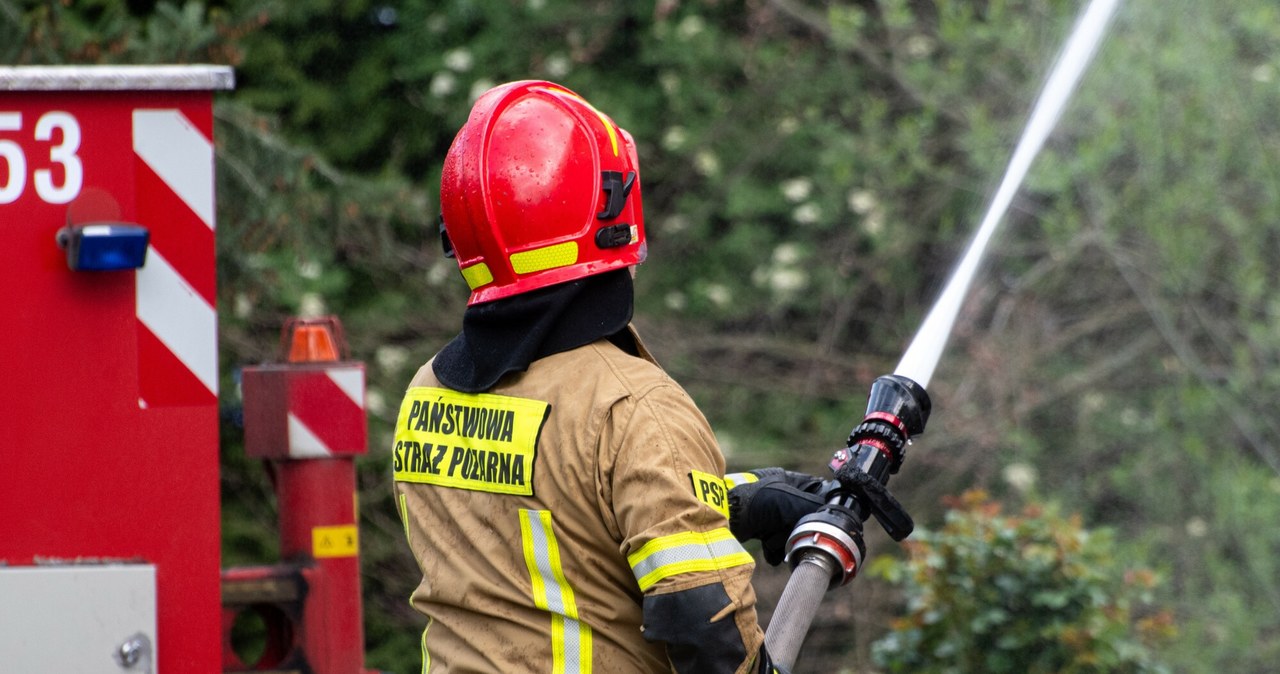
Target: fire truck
109,478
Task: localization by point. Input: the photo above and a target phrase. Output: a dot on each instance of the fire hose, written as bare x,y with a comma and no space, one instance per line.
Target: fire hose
825,549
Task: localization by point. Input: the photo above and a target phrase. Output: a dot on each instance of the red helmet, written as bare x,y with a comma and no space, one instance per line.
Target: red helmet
539,188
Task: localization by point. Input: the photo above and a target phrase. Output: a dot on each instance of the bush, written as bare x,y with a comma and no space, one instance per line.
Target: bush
1032,593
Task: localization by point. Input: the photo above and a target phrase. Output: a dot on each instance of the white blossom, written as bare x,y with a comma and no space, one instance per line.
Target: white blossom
862,201
459,60
674,138
441,271
690,26
788,280
797,189
786,254
311,306
719,294
479,87
670,83
1020,476
675,224
874,222
375,403
443,84
707,163
919,46
557,65
391,357
243,306
309,270
807,214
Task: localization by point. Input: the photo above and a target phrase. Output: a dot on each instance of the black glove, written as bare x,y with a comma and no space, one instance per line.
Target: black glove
769,507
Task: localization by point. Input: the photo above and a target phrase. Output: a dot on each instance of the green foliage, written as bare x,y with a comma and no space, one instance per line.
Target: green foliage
107,31
1030,593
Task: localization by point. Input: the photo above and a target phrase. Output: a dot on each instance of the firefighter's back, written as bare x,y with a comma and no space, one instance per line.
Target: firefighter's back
508,504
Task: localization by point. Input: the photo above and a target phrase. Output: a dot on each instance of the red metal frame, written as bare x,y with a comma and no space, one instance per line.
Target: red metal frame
306,420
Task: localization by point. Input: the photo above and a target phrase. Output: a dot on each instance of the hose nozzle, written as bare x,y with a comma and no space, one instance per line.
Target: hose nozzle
897,411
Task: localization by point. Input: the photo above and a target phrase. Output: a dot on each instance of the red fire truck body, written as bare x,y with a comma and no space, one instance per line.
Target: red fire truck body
109,487
109,415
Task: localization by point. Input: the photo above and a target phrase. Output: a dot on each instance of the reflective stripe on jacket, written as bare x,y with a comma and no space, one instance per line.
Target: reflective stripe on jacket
557,513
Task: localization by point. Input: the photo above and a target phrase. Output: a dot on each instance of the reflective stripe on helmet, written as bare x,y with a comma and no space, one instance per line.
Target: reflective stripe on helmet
477,275
613,135
546,257
608,125
686,552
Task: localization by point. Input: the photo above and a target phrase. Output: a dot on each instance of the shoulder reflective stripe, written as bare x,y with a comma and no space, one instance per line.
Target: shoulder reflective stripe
686,552
734,479
570,637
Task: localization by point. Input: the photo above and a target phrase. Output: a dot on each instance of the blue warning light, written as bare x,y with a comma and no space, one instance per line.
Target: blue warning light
104,246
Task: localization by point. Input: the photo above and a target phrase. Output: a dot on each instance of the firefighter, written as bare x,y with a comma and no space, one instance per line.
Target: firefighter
564,498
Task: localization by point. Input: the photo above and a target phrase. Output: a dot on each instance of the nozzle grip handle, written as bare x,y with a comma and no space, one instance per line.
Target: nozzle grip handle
891,515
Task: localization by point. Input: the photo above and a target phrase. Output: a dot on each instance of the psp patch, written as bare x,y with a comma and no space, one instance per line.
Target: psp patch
476,441
710,490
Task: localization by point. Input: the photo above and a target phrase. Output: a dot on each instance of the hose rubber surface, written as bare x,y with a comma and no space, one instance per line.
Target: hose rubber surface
797,608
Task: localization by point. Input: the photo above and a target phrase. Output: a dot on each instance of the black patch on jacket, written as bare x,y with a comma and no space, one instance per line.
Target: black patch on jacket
695,645
507,335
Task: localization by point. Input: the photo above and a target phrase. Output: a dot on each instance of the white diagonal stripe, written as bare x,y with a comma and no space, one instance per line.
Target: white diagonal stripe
179,154
303,444
179,317
351,381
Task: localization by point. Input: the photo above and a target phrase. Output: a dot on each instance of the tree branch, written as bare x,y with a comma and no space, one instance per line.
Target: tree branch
1234,410
881,67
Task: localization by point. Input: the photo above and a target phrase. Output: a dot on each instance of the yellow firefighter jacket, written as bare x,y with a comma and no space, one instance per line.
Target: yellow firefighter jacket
552,515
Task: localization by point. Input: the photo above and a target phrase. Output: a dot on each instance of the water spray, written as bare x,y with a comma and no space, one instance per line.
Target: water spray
825,550
921,357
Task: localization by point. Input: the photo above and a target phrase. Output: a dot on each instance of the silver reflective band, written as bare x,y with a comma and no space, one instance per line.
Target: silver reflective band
570,638
687,552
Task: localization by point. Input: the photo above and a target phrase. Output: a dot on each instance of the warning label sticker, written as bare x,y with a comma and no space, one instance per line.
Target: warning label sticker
476,441
334,541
